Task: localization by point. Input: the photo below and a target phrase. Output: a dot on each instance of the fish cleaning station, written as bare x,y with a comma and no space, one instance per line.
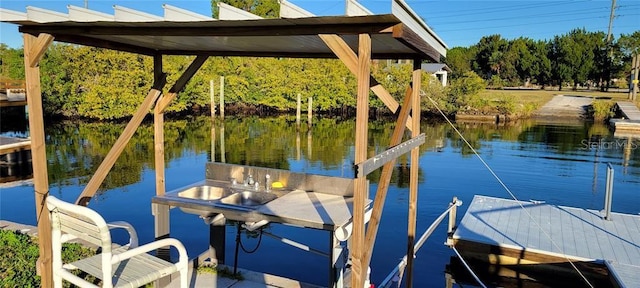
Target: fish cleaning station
253,196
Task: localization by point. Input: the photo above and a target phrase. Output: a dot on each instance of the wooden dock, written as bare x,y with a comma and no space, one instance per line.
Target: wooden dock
629,125
12,144
500,231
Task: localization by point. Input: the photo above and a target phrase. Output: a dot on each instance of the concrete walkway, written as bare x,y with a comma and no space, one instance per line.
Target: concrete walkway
251,279
565,107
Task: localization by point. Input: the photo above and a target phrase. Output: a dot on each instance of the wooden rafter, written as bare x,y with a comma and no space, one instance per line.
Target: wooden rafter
120,144
34,48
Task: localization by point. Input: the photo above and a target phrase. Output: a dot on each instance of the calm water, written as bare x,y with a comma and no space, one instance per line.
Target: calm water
561,164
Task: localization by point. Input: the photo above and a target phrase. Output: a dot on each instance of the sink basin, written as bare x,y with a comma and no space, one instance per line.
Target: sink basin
204,193
248,199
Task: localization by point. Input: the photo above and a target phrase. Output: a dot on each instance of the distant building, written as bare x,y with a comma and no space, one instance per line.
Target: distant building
438,70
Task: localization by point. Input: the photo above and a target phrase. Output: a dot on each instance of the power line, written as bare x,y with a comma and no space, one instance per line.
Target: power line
493,9
577,12
520,24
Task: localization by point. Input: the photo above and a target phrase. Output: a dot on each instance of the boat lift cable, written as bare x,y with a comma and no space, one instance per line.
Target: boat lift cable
536,223
468,268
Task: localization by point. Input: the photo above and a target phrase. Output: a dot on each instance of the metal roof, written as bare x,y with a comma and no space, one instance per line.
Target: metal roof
399,35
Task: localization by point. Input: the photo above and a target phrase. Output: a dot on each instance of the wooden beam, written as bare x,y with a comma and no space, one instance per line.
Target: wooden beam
348,57
181,82
37,51
102,43
413,172
262,27
120,144
414,41
32,56
385,178
359,268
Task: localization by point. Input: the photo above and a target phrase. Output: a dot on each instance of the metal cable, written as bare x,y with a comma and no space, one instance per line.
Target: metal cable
468,268
508,190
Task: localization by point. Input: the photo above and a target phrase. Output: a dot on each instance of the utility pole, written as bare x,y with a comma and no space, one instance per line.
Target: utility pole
86,4
609,36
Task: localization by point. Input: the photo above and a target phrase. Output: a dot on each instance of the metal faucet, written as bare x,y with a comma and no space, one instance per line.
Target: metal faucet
267,183
250,181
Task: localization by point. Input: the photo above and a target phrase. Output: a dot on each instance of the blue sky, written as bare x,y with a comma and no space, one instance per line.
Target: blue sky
458,23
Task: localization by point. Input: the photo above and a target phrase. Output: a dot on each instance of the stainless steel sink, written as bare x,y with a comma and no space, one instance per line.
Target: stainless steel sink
204,192
249,199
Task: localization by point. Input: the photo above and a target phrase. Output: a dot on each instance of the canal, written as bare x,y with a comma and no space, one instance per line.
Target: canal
561,164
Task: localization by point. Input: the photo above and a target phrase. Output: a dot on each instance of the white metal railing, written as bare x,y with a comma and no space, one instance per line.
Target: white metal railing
398,271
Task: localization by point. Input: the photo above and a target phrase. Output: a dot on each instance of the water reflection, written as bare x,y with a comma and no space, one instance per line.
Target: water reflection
559,163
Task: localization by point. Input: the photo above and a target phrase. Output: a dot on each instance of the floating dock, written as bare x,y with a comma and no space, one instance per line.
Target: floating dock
513,233
629,125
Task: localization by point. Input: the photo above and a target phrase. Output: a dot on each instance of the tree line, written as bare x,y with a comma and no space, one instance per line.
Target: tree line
577,58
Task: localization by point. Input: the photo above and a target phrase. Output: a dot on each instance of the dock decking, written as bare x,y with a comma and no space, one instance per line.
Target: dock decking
630,125
578,234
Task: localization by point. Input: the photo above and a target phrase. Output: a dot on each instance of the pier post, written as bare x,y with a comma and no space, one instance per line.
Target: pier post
309,113
298,108
452,215
213,101
608,196
221,97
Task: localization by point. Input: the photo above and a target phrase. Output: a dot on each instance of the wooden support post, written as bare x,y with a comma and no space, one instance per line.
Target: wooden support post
385,177
34,49
634,81
309,112
223,151
213,100
298,111
349,58
358,268
413,172
221,97
122,141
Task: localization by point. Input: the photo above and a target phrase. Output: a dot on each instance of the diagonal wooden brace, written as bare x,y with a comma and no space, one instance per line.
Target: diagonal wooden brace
385,178
121,143
350,59
164,102
37,51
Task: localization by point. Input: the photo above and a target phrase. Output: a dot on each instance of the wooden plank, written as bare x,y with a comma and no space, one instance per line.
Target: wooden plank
416,80
181,82
385,178
348,57
120,144
358,268
32,54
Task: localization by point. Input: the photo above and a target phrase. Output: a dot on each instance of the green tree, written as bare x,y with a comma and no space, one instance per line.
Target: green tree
460,60
262,8
490,58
